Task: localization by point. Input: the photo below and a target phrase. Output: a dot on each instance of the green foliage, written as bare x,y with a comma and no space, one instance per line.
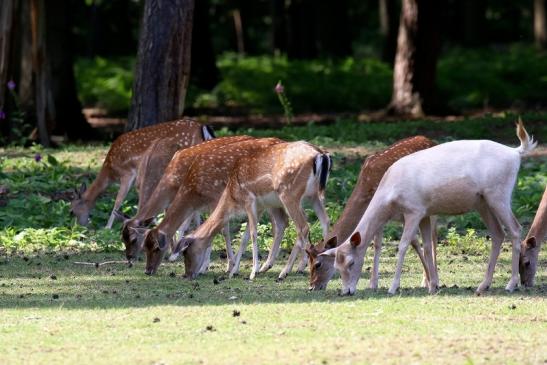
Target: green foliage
105,83
469,243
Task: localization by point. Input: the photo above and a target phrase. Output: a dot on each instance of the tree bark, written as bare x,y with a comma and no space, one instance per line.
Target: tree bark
416,60
540,24
163,63
6,26
388,28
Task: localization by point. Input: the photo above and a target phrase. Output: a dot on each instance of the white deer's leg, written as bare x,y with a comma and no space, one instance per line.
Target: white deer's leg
279,223
429,265
376,263
207,260
496,233
125,184
410,229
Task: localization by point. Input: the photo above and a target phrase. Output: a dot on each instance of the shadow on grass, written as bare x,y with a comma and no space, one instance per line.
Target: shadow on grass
54,281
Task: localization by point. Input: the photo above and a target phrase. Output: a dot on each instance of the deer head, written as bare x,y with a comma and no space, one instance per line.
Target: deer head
528,261
133,231
321,266
79,207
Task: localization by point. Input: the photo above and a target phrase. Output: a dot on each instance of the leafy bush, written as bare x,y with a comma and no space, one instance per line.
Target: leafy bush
469,243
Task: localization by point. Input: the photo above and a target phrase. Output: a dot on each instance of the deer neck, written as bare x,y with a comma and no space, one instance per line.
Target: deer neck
376,215
355,208
99,185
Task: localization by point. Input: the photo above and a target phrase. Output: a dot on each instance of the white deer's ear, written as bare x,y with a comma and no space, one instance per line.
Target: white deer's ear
329,253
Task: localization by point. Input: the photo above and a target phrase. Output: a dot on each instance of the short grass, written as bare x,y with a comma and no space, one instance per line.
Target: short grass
53,311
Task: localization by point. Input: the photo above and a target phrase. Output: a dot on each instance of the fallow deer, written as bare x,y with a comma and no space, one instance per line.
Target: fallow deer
280,176
451,178
200,189
372,170
122,160
531,245
165,190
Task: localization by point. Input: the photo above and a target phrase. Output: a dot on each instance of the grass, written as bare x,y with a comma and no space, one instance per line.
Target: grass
52,310
118,315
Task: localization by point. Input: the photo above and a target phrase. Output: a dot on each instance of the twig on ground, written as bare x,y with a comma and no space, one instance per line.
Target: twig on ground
97,264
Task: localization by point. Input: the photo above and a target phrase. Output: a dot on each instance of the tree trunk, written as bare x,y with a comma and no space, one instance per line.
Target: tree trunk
388,29
416,60
163,63
540,24
205,73
6,26
69,117
45,111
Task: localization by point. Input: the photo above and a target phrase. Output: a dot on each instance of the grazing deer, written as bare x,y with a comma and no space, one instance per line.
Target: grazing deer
531,245
280,176
123,158
200,189
451,178
372,170
165,190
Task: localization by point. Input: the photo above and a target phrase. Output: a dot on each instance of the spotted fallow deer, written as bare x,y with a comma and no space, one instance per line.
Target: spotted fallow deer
372,170
200,189
165,190
451,178
123,158
280,176
531,245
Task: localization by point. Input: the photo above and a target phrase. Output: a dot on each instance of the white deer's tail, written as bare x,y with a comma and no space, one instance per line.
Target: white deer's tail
527,143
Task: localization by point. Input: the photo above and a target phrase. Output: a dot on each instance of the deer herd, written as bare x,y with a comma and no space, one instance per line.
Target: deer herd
181,170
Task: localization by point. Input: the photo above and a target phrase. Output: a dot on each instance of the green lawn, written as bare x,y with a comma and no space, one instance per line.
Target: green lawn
53,311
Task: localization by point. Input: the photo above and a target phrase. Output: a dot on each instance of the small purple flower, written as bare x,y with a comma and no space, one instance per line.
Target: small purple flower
37,157
11,85
2,115
279,88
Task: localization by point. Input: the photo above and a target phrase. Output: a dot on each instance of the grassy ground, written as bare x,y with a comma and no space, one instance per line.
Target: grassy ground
56,311
52,310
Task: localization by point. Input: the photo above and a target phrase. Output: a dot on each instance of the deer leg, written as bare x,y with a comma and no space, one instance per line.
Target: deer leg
253,223
496,232
429,264
296,213
410,228
240,251
376,264
229,249
279,223
125,184
320,211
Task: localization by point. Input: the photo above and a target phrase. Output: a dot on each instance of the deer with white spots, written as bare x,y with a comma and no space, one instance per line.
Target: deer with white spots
280,176
165,191
122,160
200,189
451,178
374,167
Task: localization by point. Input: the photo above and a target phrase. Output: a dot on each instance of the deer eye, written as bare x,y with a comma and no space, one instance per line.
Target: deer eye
350,265
317,265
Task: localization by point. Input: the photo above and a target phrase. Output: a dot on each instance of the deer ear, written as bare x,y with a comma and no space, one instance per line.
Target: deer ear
329,253
355,239
182,245
162,241
332,242
310,249
83,188
531,242
119,215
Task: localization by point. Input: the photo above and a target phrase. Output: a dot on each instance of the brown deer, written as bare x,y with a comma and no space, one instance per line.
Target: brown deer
280,176
531,245
123,158
200,189
372,170
165,191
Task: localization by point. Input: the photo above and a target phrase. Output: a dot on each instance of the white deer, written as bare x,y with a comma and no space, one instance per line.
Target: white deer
451,178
